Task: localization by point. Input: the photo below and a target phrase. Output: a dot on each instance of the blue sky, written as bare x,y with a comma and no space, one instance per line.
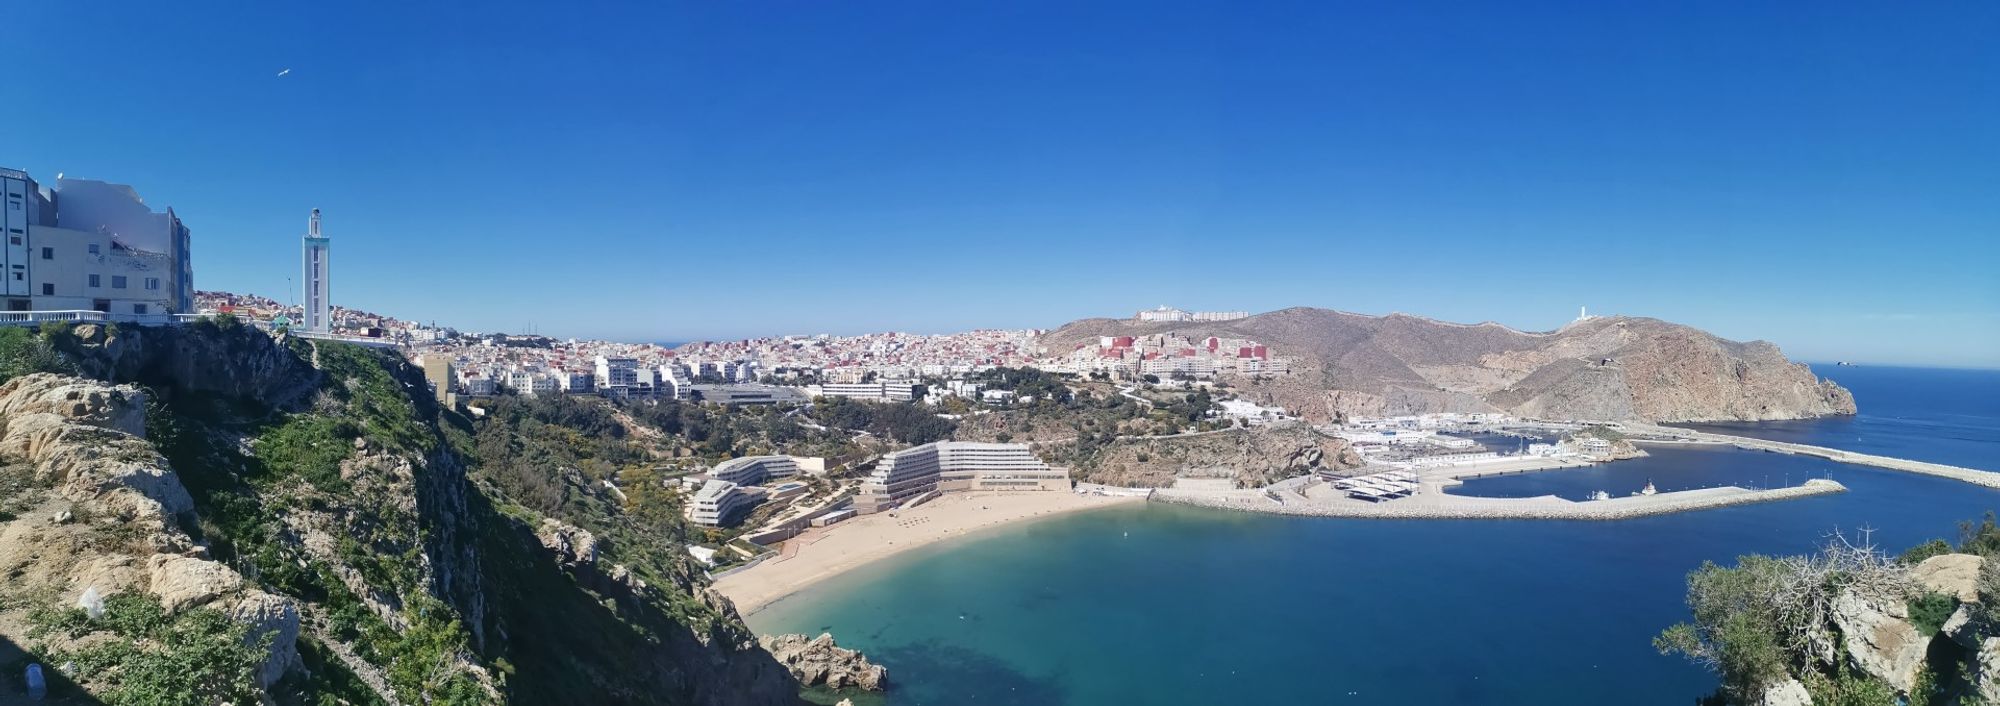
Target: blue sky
1825,175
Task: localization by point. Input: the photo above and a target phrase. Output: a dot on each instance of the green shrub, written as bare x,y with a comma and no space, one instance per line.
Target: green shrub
1926,550
198,657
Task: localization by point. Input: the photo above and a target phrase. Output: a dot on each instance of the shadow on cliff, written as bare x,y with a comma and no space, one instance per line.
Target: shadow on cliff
14,660
578,636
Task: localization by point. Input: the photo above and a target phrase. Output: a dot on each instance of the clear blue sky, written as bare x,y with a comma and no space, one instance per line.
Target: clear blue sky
1825,175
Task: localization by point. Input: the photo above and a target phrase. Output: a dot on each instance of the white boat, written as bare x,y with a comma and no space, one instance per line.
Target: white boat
1648,490
1600,495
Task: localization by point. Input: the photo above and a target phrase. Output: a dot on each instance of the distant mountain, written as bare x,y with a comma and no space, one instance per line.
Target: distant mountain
1601,368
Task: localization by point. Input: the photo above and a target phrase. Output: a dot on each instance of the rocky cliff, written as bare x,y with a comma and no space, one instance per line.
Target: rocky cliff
314,528
1250,458
1604,368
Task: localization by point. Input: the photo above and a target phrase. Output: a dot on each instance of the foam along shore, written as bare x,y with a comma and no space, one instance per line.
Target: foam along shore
1433,503
826,552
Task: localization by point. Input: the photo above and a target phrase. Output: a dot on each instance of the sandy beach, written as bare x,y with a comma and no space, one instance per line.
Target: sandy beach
826,552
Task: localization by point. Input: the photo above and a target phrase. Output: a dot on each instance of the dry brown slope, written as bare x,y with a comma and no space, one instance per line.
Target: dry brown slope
1603,368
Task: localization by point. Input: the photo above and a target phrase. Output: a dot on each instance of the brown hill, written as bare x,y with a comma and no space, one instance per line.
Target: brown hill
1604,368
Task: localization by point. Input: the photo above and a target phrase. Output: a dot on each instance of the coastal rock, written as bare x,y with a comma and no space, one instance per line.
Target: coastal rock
278,618
817,661
1880,639
1785,693
185,582
1950,574
573,546
1962,628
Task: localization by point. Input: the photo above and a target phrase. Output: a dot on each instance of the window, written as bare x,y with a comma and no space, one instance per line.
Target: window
48,289
103,305
152,283
138,308
48,253
16,240
94,281
118,281
93,248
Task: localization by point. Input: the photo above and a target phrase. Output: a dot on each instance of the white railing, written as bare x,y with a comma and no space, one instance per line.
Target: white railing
356,340
32,318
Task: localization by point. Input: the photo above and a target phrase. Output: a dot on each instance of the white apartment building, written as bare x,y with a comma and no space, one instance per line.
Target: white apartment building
755,470
673,382
955,465
91,245
617,372
891,391
1168,367
721,503
575,381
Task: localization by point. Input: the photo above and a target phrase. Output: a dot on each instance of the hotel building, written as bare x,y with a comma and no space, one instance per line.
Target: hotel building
755,470
721,503
906,475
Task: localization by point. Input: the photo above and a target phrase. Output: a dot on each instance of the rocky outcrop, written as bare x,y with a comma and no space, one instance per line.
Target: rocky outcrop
1954,575
817,661
83,438
1788,692
573,546
1989,670
1879,639
1606,368
217,357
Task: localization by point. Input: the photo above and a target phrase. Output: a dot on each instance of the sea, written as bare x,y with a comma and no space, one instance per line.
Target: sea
1162,604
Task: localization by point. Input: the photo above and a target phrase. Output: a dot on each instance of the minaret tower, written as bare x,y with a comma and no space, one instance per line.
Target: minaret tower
318,313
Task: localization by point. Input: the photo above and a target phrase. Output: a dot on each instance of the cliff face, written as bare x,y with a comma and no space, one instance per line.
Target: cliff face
317,494
1606,368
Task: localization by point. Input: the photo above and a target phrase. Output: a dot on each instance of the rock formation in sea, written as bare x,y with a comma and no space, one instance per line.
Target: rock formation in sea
817,661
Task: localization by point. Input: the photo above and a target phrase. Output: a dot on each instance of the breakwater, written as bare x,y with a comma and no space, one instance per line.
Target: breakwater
1435,505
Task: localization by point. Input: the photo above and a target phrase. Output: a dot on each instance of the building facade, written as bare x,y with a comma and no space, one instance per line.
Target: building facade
91,245
755,470
721,503
955,465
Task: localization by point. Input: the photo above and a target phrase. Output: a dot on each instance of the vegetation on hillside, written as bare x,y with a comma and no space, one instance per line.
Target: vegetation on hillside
1767,620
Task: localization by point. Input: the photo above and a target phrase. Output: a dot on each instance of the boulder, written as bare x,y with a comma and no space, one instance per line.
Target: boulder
1962,628
116,407
817,661
1880,639
184,582
1950,574
278,618
572,545
1785,693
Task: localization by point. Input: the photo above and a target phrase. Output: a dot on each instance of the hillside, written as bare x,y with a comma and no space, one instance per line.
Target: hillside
169,495
1603,368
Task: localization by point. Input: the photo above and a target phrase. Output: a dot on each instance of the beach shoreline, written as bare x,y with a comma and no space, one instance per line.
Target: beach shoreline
823,553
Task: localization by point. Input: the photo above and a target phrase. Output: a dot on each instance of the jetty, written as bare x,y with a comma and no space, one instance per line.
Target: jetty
1974,476
1433,503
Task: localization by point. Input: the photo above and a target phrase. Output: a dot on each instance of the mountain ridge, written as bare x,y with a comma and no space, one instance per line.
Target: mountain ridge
1613,368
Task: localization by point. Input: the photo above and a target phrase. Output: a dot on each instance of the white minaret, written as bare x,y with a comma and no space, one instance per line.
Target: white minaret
318,312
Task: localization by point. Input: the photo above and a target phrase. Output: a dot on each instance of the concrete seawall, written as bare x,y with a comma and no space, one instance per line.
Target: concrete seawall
1974,476
1548,507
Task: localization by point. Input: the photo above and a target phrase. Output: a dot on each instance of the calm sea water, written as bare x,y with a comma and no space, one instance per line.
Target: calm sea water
1155,604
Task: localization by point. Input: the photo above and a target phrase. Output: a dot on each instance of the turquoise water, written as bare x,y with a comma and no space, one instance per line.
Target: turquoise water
1156,604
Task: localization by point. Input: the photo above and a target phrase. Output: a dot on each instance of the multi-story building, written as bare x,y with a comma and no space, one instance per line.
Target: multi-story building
721,503
91,245
955,465
438,370
755,470
617,372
